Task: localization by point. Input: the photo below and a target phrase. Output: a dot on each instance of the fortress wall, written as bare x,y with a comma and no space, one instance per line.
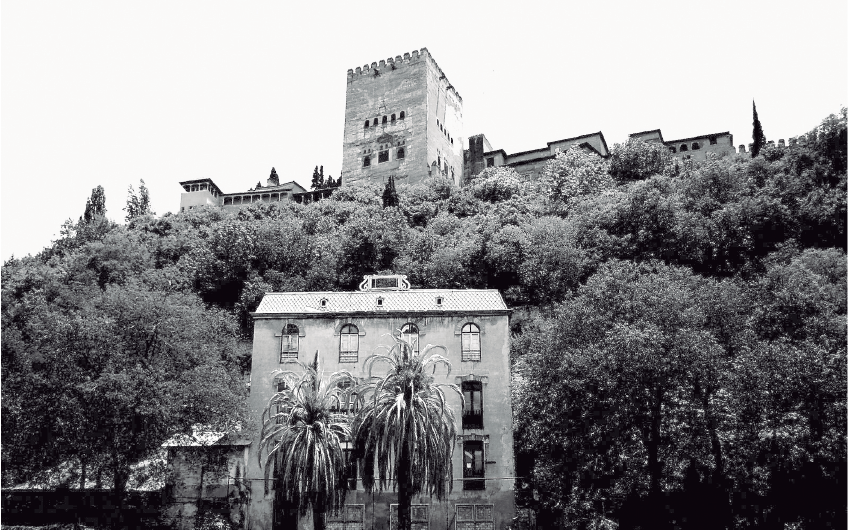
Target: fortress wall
381,89
445,139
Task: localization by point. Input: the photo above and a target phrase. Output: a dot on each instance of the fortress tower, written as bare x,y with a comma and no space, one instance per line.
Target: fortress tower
402,118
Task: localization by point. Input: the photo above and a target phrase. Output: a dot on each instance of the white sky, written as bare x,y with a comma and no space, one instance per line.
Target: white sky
112,92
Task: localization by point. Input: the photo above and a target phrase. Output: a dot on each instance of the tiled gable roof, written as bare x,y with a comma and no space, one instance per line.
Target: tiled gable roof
415,300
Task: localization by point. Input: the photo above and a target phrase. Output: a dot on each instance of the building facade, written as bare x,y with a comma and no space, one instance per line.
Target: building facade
695,147
204,192
528,164
345,328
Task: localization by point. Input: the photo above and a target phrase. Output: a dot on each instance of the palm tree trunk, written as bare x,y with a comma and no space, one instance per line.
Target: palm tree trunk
404,473
404,490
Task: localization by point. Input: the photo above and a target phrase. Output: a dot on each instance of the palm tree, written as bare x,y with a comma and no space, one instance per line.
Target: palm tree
302,434
404,425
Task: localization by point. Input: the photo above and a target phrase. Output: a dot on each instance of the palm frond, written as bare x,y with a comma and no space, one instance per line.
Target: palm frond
405,409
303,434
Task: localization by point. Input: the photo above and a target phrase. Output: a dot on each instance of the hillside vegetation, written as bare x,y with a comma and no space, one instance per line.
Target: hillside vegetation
679,339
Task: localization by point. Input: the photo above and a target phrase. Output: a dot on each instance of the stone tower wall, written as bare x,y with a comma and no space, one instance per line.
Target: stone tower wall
412,84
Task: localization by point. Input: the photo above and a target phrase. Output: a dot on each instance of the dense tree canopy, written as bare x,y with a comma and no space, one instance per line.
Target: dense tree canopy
691,315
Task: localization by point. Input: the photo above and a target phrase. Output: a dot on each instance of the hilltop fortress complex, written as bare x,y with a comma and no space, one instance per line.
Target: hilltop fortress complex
403,118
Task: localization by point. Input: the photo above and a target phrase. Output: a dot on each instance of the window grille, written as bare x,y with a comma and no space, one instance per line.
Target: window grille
420,516
352,516
470,342
480,516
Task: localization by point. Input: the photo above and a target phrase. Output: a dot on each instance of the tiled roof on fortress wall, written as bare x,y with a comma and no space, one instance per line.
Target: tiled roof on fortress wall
700,137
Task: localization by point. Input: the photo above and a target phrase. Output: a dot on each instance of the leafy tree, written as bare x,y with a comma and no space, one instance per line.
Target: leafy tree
403,428
131,365
759,136
95,206
636,160
302,435
138,204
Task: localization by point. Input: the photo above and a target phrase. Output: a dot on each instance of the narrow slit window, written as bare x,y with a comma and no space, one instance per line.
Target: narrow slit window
402,115
384,120
349,344
366,124
409,333
472,410
290,342
473,470
393,118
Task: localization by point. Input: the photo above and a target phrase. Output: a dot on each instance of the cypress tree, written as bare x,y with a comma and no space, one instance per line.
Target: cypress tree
759,136
316,179
390,197
321,183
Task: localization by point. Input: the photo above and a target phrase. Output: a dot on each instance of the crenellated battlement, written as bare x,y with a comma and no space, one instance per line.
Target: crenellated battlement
393,63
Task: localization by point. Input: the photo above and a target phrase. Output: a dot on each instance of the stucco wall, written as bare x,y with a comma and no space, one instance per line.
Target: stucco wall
196,199
321,333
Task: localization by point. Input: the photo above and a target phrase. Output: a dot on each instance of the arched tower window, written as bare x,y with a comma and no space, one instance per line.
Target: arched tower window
695,146
366,124
672,149
409,333
384,120
349,344
401,153
683,147
470,342
402,115
393,118
289,343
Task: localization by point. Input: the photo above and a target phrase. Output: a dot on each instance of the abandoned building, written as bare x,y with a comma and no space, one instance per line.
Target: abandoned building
345,328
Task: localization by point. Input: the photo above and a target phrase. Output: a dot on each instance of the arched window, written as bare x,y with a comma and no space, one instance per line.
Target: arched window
402,115
470,342
683,147
393,118
409,333
695,146
366,124
384,120
289,343
349,344
672,149
366,161
401,153
376,121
